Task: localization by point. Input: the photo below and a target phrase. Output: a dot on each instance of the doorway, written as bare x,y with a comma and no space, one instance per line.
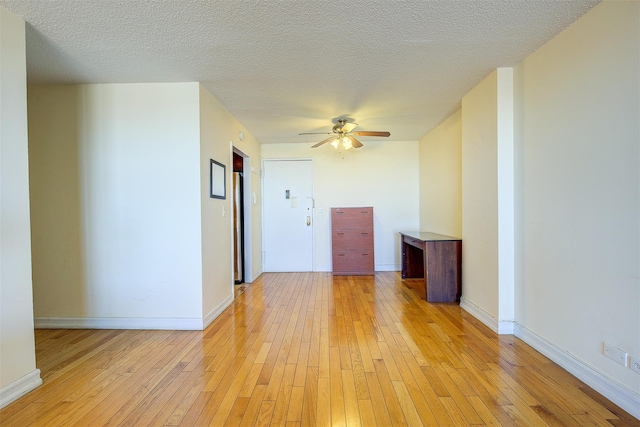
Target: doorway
241,226
288,215
238,220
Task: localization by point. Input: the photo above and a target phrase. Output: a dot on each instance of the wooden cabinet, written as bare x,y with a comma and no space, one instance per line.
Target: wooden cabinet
352,241
437,261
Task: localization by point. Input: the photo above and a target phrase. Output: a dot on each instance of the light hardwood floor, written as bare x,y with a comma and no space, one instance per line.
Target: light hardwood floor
306,349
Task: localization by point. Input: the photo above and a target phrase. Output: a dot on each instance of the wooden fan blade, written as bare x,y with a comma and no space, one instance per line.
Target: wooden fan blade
355,142
315,133
371,133
323,142
348,127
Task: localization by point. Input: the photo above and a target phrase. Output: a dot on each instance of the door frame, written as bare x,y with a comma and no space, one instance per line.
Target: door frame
247,218
313,208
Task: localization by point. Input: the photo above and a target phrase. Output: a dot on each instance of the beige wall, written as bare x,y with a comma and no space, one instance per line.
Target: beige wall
18,373
480,196
382,174
125,233
577,196
488,200
441,178
115,188
578,138
219,133
56,200
551,189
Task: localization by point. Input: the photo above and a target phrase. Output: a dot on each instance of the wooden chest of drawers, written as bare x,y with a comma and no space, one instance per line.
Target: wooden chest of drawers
352,241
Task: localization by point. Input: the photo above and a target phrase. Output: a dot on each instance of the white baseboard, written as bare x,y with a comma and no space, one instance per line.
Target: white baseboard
19,387
620,395
172,324
479,314
187,324
388,267
217,311
500,327
506,327
255,277
377,267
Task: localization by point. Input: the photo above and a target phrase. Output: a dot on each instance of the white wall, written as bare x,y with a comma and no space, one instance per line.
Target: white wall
480,196
506,201
18,373
219,132
382,174
578,139
551,188
441,178
116,189
488,218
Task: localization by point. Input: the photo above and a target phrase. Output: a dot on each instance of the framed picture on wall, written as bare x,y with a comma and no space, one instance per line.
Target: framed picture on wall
218,180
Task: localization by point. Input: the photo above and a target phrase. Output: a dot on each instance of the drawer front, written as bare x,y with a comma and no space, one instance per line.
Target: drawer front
353,262
347,218
414,242
348,240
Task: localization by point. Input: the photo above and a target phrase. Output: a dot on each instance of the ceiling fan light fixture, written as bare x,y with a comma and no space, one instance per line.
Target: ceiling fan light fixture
343,130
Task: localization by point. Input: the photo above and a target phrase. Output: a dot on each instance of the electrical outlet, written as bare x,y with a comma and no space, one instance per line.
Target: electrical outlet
634,364
615,354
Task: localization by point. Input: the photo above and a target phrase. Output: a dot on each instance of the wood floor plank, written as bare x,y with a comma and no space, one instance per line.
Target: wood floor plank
391,400
380,411
284,395
266,410
408,408
367,417
461,401
304,349
428,392
323,417
237,412
337,391
351,408
191,395
194,381
410,388
484,412
323,357
253,407
218,393
294,413
310,401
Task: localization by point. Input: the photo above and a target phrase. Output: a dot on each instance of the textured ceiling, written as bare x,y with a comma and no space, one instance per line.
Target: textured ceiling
284,67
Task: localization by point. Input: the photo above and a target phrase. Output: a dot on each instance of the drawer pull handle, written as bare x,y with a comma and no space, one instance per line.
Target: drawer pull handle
365,234
340,234
340,254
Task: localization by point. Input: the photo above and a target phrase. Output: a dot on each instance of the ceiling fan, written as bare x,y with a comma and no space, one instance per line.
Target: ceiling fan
343,133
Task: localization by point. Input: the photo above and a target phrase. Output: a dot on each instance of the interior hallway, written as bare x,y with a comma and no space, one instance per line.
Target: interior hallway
305,349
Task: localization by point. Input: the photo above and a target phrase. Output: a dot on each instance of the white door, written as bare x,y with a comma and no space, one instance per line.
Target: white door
288,215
